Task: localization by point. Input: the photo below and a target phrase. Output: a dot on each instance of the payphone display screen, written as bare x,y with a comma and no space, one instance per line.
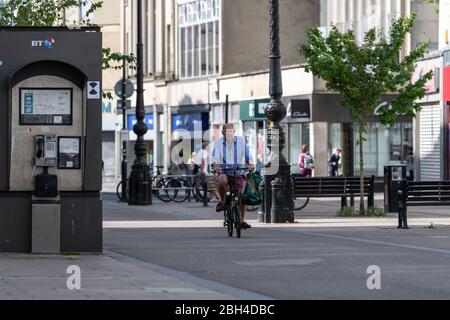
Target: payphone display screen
46,106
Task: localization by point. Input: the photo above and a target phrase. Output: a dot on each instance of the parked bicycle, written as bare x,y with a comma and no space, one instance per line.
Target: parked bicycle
158,187
299,202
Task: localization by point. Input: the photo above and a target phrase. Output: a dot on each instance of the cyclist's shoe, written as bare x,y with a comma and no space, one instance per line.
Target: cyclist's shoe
245,225
220,207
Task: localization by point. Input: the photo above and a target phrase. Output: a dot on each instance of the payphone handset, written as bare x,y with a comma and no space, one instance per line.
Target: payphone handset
45,150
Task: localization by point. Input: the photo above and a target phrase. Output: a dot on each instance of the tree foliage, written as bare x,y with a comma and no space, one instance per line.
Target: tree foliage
363,73
46,13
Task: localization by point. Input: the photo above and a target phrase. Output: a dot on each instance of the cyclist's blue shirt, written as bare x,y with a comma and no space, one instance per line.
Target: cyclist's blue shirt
231,156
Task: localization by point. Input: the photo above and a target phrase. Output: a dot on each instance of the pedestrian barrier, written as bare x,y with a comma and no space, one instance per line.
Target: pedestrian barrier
421,193
331,187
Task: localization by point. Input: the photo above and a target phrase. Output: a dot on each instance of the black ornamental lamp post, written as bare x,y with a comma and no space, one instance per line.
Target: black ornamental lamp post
278,203
139,183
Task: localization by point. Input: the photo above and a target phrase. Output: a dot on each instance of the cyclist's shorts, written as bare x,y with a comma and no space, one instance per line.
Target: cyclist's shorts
238,182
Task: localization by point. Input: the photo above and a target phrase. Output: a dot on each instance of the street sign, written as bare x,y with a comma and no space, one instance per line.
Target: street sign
93,90
129,89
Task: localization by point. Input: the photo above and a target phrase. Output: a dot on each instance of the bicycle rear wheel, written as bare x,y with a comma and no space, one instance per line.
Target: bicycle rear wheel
178,189
300,203
237,220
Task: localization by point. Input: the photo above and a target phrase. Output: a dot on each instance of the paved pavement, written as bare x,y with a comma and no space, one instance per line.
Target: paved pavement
173,251
320,257
107,277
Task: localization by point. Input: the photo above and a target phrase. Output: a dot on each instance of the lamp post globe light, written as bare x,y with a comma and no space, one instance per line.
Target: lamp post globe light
278,206
139,182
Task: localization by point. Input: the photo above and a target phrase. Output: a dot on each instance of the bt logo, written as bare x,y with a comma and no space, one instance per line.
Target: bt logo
47,43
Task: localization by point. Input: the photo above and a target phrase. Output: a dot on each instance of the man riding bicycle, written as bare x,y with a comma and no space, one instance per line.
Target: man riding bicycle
231,151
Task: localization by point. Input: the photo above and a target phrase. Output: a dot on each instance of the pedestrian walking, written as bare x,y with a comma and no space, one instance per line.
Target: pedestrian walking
410,164
334,163
201,159
306,162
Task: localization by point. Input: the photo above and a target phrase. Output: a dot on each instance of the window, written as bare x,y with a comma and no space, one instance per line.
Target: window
199,38
384,145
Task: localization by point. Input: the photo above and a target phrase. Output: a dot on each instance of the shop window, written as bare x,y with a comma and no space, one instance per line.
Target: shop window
384,145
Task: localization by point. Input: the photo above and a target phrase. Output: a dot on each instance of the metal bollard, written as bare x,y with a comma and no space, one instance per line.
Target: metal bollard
205,192
400,209
402,206
344,202
262,211
371,196
276,210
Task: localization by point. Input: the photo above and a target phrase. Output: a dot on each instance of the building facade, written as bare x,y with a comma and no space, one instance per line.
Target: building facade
200,54
109,18
206,62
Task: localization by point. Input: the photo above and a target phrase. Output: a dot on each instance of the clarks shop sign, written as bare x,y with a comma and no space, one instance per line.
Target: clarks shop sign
301,109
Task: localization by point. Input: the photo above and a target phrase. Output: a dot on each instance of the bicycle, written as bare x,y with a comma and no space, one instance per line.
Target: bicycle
232,214
298,203
158,185
198,187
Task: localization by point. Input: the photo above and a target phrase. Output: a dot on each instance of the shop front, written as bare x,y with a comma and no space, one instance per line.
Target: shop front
331,128
446,102
429,150
253,127
149,139
297,128
295,125
190,128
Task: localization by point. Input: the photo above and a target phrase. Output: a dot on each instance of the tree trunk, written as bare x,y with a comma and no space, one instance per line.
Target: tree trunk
361,169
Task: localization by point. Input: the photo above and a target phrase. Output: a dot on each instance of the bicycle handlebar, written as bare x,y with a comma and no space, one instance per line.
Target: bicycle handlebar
228,168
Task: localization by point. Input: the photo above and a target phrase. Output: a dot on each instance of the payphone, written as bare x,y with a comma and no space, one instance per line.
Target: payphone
45,184
393,176
50,141
45,150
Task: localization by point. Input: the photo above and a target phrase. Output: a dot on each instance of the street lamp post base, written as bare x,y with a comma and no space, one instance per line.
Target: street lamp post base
140,186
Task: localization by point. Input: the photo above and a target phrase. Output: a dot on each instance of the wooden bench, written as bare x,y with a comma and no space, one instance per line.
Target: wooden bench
339,187
421,194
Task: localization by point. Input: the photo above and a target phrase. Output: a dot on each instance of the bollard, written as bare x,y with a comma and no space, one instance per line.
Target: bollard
402,206
262,211
205,191
344,202
371,196
400,209
277,199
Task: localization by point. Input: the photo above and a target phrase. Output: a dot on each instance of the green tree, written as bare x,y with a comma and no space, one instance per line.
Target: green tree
363,73
46,13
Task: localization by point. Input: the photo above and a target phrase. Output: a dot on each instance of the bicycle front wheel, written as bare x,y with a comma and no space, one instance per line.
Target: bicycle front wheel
122,196
229,220
161,192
